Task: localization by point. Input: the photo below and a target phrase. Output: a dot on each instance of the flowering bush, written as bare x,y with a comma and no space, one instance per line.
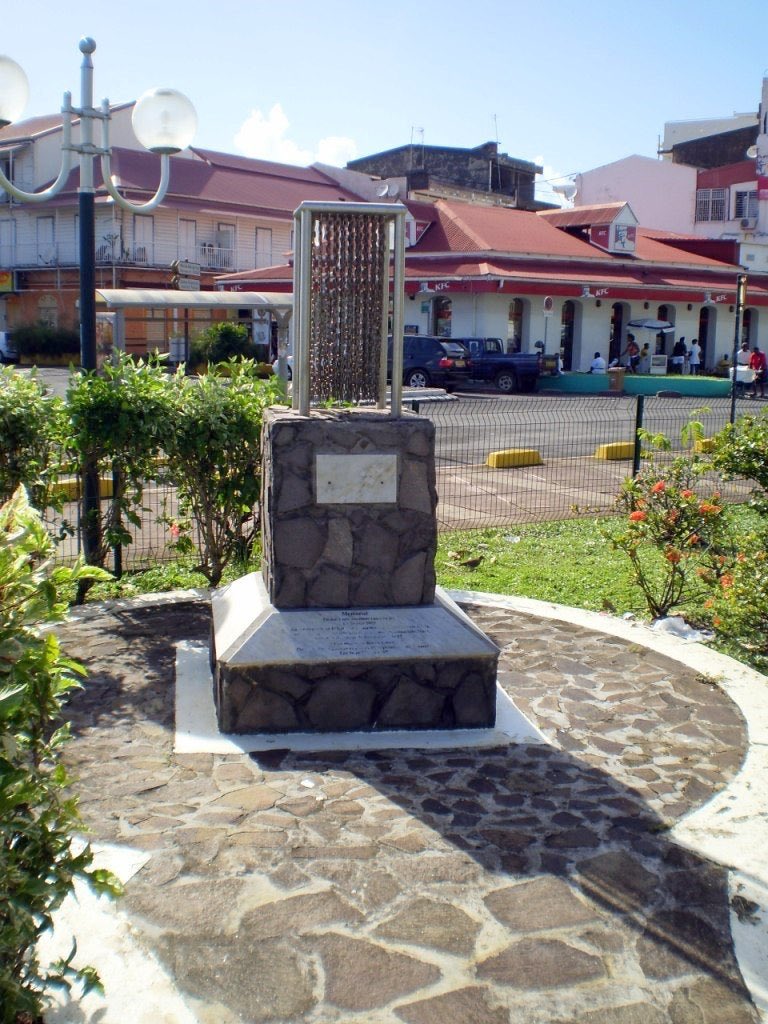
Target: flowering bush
740,451
739,603
675,538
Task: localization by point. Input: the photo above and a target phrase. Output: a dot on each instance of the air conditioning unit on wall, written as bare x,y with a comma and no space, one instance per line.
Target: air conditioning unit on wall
748,222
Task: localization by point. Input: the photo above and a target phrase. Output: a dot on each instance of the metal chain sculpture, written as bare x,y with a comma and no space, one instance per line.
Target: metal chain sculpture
342,274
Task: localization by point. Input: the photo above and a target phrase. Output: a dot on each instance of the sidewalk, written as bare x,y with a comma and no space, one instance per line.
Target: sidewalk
535,884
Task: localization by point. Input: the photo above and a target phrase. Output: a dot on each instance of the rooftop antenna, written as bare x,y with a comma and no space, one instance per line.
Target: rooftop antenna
498,163
420,133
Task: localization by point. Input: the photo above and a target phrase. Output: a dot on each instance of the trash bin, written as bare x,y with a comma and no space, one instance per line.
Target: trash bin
616,378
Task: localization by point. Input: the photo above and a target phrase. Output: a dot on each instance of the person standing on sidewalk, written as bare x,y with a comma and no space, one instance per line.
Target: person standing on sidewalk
679,353
758,363
631,354
694,358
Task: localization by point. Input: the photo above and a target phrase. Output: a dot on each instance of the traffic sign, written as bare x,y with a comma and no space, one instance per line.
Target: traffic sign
186,284
185,268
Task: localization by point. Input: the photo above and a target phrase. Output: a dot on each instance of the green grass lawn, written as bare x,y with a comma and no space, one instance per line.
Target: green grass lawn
568,562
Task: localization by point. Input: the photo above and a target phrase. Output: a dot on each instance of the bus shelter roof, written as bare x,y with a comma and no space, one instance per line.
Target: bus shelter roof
165,298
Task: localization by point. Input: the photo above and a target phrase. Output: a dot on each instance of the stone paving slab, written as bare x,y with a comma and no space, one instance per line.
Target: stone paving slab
519,884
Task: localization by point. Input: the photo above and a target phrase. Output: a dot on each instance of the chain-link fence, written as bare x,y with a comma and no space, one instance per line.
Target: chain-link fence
567,436
570,477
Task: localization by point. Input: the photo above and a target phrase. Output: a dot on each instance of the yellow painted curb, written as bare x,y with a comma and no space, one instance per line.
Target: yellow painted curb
616,450
704,445
513,457
69,486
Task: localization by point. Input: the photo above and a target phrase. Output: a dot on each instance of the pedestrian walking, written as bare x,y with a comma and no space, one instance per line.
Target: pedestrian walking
758,363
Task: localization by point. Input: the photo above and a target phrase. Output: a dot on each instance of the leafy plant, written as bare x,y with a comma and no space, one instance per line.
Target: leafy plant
43,340
117,419
739,606
213,442
674,537
32,426
741,450
38,864
220,342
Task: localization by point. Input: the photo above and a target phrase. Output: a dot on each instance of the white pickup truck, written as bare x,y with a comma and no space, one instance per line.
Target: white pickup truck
8,351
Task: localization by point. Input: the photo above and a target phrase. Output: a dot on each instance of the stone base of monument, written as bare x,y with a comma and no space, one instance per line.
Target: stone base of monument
347,669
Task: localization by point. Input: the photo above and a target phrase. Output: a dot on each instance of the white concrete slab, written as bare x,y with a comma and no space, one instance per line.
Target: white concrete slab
197,729
137,988
749,928
249,630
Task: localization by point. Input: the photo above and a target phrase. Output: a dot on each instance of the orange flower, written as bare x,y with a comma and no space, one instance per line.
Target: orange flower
709,603
686,493
637,517
672,516
726,580
707,508
658,487
672,555
693,539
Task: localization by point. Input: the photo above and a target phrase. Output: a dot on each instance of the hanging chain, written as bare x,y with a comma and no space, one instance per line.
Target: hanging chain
346,305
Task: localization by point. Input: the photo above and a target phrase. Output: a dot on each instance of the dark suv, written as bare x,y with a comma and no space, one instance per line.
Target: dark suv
432,362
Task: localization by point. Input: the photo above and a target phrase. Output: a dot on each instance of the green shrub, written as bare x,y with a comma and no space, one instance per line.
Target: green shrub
38,817
117,419
41,340
32,428
739,606
741,450
213,442
219,342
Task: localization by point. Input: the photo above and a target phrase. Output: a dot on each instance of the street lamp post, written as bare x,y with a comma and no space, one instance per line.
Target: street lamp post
164,122
741,290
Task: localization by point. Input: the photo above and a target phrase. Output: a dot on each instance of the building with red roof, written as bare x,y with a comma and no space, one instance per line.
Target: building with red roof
221,212
568,279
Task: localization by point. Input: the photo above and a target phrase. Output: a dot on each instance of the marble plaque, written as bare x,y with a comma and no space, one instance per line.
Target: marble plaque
355,479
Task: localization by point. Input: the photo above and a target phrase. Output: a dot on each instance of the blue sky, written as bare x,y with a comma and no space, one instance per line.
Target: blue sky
570,85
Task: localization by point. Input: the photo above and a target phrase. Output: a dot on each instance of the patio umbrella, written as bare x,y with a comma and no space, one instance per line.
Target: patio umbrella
648,324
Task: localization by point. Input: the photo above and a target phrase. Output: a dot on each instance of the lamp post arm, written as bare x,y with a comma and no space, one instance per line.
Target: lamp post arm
154,203
151,204
66,164
106,173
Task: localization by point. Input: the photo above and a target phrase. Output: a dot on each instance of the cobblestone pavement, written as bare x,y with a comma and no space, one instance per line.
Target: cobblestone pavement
526,884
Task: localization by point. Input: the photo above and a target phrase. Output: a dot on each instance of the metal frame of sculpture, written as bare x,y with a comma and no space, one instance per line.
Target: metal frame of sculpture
341,301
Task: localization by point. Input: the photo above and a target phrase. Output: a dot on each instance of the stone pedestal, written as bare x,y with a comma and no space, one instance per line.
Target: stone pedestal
345,630
340,670
348,509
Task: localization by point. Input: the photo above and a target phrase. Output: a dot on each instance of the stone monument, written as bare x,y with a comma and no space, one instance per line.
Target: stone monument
344,629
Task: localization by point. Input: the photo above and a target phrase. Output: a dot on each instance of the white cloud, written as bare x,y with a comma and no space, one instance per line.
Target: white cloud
546,180
265,137
336,150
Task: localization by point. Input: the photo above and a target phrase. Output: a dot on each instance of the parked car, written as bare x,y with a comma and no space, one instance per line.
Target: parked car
509,371
8,351
432,362
288,367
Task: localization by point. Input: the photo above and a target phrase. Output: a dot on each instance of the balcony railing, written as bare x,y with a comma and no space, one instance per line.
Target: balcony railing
113,252
216,257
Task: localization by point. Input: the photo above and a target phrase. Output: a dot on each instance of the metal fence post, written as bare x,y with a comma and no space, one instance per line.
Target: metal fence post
638,427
